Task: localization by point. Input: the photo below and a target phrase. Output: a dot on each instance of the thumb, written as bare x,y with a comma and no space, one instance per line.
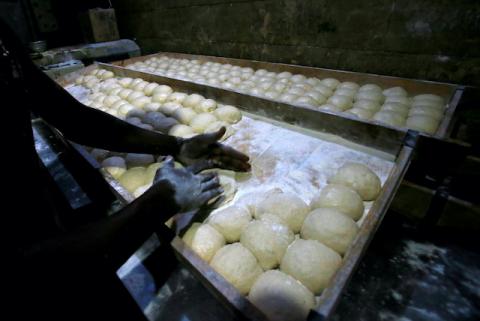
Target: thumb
169,162
215,136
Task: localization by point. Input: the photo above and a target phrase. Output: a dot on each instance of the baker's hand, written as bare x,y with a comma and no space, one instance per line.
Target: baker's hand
191,189
207,148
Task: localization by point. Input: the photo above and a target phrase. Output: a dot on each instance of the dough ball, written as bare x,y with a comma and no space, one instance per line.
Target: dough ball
369,105
163,89
330,227
348,85
343,102
398,99
107,75
370,87
124,93
330,107
206,106
125,82
110,100
280,297
228,113
324,90
390,117
190,233
395,91
370,95
136,112
430,111
118,104
141,102
200,122
397,108
170,108
151,107
135,160
345,92
287,206
230,221
298,78
311,263
134,96
287,98
181,130
152,171
228,184
115,166
79,80
360,178
422,123
305,101
133,178
237,265
250,200
184,115
160,98
207,241
318,97
142,189
331,83
342,198
140,86
429,98
148,90
193,100
177,97
360,113
125,109
267,240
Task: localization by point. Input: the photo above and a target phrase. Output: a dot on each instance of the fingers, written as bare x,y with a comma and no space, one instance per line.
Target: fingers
230,152
213,183
210,194
201,166
226,162
208,176
214,137
169,162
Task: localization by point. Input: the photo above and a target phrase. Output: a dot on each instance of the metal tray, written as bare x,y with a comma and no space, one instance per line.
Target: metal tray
380,141
450,92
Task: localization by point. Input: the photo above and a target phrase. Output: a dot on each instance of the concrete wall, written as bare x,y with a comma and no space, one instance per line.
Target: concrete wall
428,39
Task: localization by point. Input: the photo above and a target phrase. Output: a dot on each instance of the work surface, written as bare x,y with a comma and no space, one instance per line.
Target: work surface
407,274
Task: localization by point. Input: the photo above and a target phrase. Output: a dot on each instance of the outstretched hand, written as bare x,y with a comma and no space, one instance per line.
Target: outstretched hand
207,148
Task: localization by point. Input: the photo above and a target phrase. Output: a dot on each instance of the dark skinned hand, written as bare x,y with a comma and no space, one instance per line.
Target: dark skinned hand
206,148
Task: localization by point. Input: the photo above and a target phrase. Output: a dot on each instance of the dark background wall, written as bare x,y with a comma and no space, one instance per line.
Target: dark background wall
428,39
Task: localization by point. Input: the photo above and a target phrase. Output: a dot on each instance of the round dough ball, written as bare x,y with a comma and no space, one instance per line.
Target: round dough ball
330,227
200,122
125,109
160,98
348,85
319,98
181,130
141,102
152,171
298,78
193,100
230,221
422,123
330,107
343,102
135,160
206,106
118,104
370,95
324,90
184,115
342,198
125,82
136,112
190,233
397,108
250,200
399,100
170,108
288,98
153,117
389,117
370,87
148,90
107,74
345,92
135,82
359,177
237,265
228,113
207,241
360,113
115,165
305,101
312,263
133,178
369,105
429,98
267,240
134,96
163,89
430,111
287,206
395,91
124,93
142,189
148,107
110,100
177,97
281,298
140,86
331,83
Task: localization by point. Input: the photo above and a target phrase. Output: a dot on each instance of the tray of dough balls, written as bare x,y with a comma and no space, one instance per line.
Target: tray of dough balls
283,230
395,102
